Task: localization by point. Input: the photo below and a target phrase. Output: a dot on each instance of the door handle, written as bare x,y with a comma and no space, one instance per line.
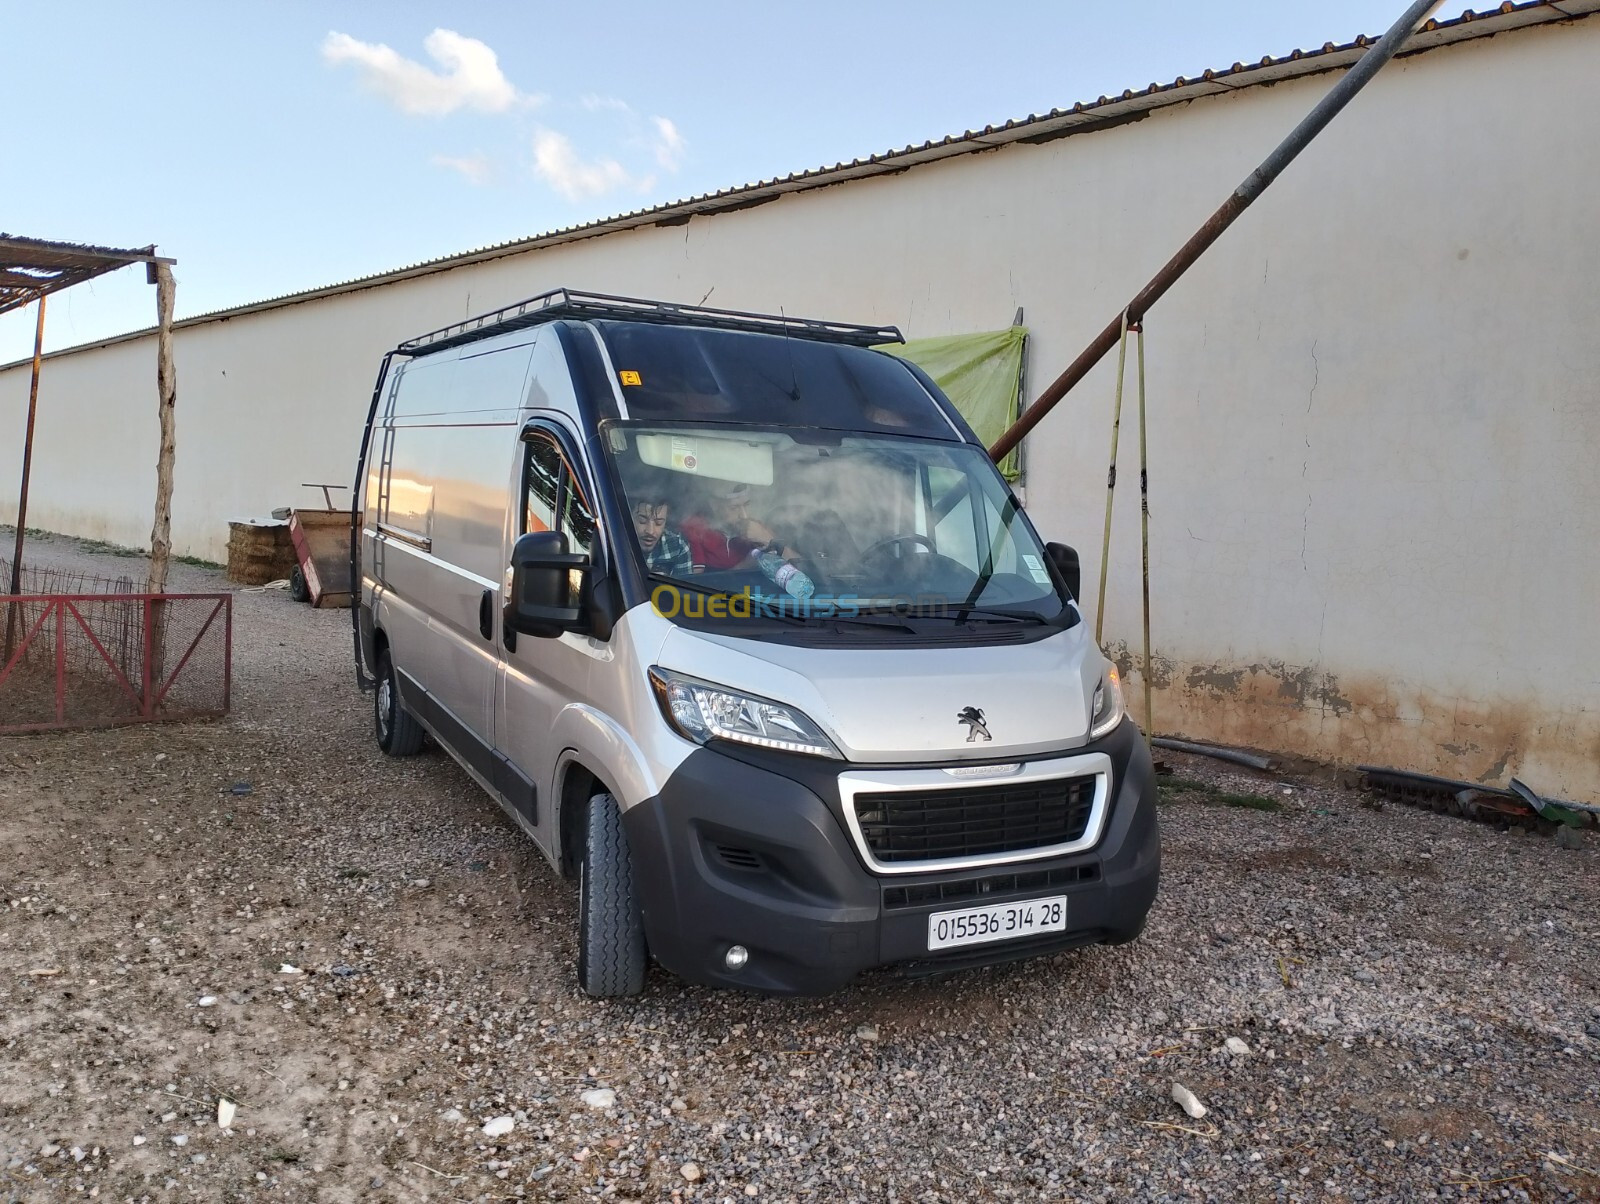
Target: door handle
486,614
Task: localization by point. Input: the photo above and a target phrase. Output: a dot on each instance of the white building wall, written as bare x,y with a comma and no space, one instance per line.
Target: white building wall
1373,406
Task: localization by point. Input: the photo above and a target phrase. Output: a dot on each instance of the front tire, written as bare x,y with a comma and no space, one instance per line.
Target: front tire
611,949
399,733
298,589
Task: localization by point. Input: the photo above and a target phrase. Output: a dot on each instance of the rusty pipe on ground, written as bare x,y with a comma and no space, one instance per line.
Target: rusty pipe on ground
1233,755
1253,186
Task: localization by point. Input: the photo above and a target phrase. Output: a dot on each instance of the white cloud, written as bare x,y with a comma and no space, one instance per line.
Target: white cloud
669,144
476,168
559,165
470,75
597,104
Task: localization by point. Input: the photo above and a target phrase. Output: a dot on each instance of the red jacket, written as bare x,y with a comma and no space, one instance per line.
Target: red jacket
712,548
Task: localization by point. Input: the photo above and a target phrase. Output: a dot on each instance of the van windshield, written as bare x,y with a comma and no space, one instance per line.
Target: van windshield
671,373
803,523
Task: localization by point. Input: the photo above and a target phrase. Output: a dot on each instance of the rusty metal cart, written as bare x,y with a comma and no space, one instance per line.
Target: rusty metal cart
322,546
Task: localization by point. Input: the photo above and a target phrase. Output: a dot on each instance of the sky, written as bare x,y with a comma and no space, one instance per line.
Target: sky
274,147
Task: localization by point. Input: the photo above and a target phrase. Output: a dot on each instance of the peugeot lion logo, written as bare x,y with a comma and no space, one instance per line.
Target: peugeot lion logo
976,728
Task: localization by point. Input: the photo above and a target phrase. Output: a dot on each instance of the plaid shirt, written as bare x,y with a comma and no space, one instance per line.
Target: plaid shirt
670,556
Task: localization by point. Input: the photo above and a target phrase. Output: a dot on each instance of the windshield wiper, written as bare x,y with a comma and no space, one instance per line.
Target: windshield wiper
1016,616
958,613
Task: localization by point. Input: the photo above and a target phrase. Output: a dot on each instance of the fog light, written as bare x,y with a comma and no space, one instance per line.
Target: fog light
735,957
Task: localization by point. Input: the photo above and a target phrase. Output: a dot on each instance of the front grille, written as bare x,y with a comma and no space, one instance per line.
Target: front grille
926,894
932,825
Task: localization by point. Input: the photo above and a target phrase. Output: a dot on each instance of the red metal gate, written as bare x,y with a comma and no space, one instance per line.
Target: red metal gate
97,660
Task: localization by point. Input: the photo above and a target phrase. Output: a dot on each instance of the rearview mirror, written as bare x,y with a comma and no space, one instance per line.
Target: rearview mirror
1065,560
546,586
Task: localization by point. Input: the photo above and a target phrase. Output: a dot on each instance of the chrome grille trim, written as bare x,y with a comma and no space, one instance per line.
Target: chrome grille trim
854,782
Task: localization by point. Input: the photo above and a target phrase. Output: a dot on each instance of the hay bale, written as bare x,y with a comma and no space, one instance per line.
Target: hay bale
259,550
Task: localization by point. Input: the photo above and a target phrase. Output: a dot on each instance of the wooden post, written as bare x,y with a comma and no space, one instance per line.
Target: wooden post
27,465
161,531
167,388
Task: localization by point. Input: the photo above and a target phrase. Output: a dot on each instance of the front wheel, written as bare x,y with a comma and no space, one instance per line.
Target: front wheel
298,589
611,950
399,733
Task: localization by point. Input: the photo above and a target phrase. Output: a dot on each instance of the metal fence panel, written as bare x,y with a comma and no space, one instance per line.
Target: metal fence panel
96,660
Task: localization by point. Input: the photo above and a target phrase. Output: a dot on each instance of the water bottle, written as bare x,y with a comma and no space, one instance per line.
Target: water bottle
785,576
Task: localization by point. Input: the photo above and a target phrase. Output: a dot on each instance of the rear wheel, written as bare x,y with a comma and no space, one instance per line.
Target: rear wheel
399,733
298,590
611,950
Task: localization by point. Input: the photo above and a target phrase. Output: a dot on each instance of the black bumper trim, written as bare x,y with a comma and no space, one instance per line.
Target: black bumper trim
810,913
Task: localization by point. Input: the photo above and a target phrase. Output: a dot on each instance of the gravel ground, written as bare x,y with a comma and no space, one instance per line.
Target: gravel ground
1419,997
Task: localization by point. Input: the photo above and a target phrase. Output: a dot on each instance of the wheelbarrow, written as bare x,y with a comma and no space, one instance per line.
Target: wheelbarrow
321,541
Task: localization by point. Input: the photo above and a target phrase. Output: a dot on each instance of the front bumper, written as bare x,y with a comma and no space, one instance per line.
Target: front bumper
748,848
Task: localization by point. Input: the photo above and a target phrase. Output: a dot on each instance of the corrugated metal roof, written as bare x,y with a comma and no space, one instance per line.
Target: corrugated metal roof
31,268
1082,117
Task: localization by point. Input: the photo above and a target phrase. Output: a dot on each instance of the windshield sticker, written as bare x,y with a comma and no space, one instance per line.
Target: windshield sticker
1036,570
683,457
631,378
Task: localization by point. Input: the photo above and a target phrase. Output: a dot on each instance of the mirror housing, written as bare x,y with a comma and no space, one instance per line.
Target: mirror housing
1065,560
547,586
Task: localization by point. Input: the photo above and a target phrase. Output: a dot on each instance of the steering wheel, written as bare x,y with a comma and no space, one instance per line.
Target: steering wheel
894,541
927,570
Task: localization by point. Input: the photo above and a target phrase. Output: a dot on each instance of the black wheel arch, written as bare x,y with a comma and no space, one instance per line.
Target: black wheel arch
578,785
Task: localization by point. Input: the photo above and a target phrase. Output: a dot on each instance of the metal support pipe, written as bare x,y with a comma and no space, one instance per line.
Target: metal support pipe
27,467
1253,186
1111,485
1144,544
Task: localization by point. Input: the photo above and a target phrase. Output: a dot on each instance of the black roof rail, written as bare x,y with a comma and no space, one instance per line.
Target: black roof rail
562,303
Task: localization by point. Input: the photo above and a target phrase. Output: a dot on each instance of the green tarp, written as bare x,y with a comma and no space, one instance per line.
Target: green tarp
980,373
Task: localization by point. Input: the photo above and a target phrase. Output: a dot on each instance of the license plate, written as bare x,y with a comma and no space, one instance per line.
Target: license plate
996,922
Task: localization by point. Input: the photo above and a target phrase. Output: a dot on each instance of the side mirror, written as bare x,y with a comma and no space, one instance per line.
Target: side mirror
1065,560
547,586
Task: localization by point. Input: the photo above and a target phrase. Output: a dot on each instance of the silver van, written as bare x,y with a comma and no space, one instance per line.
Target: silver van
738,622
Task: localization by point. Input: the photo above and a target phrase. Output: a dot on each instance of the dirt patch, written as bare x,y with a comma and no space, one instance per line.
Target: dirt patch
155,882
1299,857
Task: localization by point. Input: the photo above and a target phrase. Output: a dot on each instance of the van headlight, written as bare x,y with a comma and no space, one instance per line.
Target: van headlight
1108,706
700,711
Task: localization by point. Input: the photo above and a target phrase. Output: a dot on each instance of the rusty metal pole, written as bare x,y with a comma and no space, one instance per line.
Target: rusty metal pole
1144,546
1111,485
27,468
1254,185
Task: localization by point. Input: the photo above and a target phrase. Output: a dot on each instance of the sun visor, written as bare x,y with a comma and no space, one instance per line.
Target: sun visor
741,460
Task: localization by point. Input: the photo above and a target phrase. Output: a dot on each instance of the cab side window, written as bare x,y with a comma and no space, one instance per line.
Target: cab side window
577,519
553,498
541,486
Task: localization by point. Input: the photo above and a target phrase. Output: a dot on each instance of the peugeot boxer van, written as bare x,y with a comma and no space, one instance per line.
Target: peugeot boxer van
736,619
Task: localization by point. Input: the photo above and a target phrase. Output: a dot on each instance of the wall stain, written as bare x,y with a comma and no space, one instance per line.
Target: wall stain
1307,687
1129,661
1350,719
1493,774
1216,680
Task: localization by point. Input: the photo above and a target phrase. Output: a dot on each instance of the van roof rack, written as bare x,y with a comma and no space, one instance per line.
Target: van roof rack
563,303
